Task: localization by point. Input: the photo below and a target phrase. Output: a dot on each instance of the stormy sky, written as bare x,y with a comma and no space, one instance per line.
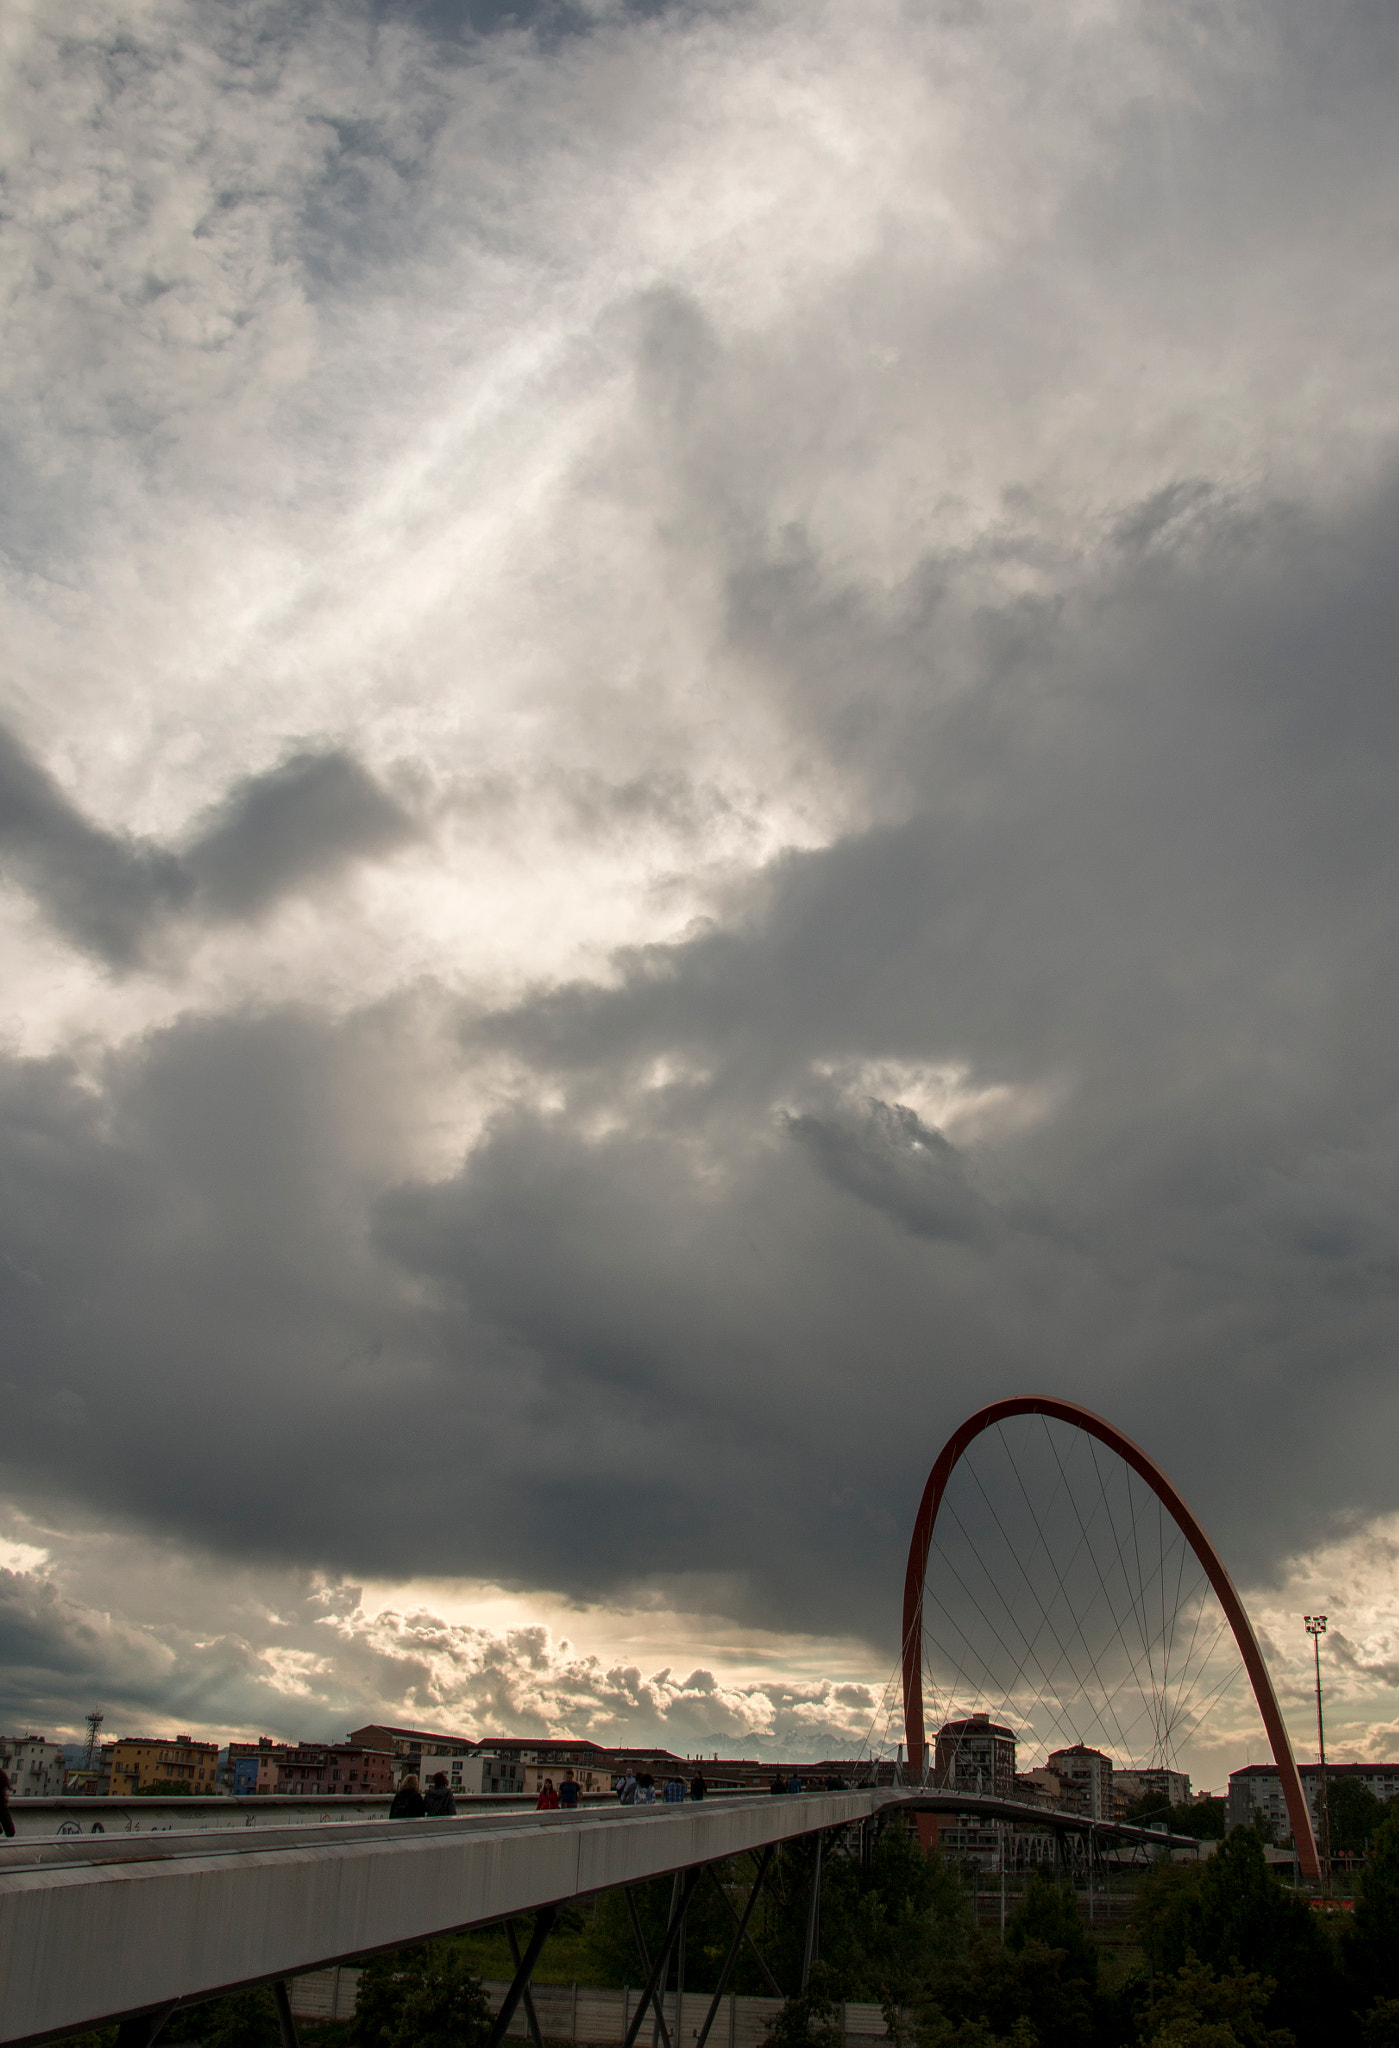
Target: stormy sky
698,763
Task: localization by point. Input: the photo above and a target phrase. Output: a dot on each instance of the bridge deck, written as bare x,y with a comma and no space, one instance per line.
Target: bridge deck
94,1928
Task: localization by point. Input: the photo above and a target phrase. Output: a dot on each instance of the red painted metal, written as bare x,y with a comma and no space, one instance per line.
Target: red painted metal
1132,1454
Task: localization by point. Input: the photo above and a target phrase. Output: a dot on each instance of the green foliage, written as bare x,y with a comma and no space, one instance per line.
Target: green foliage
810,2022
1371,1942
1355,1815
941,2032
1200,2008
165,1788
886,1929
709,1929
1036,1987
1231,1914
1379,2027
240,2019
1147,1806
426,1996
1206,1819
1049,1914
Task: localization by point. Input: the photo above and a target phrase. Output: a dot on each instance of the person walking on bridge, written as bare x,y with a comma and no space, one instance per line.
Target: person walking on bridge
438,1797
7,1821
548,1800
626,1787
568,1792
674,1791
408,1801
698,1788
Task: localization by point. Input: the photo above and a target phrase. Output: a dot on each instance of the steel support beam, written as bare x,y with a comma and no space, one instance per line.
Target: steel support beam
543,1921
286,2024
813,1916
526,1994
759,1958
658,1968
735,1945
645,1954
141,2029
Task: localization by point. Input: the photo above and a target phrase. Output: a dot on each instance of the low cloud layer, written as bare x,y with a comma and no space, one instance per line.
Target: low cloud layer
699,765
304,1658
112,893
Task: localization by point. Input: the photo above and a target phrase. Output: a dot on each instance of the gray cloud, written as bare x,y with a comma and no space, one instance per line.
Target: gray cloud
275,833
101,889
300,821
892,1160
969,563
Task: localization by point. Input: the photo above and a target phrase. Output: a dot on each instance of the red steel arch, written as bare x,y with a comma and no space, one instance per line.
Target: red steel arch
1132,1454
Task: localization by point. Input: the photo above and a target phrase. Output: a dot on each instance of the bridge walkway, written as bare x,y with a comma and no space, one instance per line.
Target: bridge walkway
102,1928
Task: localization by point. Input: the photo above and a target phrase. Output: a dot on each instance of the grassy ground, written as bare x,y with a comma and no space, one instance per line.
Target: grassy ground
567,1959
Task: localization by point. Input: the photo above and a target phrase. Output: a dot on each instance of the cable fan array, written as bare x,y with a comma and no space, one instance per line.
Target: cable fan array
1063,1601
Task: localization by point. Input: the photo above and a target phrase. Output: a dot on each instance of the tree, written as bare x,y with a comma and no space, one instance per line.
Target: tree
709,1930
1205,1819
1355,1815
887,1927
1049,1915
426,1996
164,1788
1202,2009
241,2019
809,2022
1231,1914
1371,1942
1379,2027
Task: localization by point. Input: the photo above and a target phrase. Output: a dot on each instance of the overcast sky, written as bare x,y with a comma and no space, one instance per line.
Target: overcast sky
698,763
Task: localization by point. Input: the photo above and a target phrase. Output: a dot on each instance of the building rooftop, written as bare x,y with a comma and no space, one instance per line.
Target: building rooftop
1271,1770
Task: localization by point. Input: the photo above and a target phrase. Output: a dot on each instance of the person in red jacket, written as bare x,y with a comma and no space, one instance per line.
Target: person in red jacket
548,1799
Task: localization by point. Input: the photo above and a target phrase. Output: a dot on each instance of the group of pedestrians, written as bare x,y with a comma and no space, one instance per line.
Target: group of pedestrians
552,1797
632,1788
410,1802
638,1788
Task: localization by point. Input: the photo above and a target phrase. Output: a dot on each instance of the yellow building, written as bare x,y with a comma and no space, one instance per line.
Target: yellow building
140,1761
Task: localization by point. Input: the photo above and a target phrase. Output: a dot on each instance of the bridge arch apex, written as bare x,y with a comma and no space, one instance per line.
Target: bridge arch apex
1106,1433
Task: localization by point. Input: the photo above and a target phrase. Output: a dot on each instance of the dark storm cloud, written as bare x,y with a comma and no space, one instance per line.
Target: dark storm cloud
277,831
706,1308
103,890
893,1161
111,892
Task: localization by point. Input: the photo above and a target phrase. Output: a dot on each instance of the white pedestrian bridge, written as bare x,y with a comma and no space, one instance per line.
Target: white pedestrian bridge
104,1927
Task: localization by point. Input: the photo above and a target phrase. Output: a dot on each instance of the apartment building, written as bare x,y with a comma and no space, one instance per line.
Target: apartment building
408,1746
976,1755
1086,1775
136,1763
36,1768
1255,1793
1168,1788
477,1773
332,1770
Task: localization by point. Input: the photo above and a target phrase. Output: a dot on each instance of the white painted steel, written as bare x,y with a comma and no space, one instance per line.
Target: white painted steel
101,1927
97,1927
67,1817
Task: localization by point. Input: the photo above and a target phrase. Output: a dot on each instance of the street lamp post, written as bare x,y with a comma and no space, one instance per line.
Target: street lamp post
1316,1629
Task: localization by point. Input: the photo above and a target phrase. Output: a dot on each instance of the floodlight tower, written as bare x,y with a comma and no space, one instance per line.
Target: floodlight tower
1316,1629
94,1724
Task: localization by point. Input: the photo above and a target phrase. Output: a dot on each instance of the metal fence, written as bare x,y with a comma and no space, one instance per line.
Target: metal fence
588,2013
